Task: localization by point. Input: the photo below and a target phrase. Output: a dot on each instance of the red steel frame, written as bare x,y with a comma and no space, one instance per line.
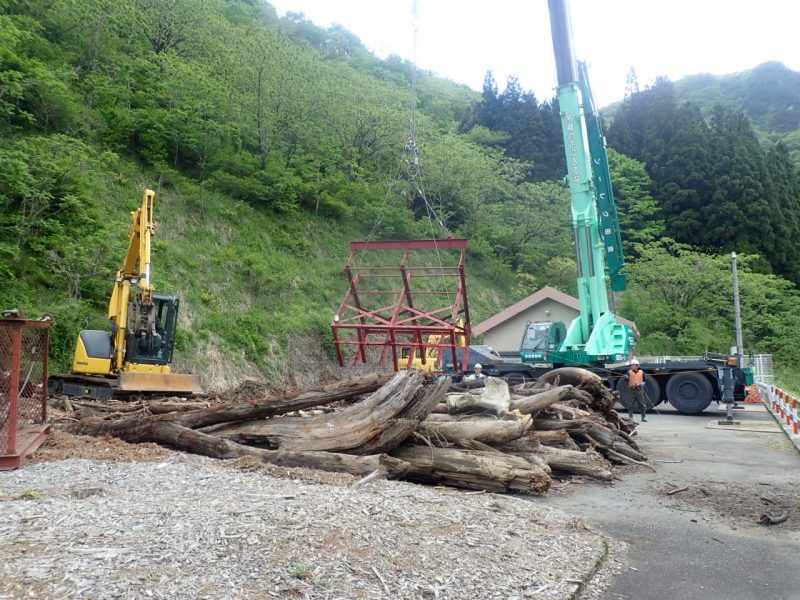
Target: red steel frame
23,389
414,313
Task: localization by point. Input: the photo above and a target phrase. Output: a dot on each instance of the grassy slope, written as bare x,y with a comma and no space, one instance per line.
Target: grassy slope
249,281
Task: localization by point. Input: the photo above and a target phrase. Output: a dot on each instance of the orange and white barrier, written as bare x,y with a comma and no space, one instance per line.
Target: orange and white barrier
784,407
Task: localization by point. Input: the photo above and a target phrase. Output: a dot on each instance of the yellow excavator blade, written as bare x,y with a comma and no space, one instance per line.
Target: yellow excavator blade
159,382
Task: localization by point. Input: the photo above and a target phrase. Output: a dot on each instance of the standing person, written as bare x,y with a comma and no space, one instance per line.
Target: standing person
636,387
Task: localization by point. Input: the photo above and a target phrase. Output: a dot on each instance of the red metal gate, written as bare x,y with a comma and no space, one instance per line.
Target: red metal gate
23,389
408,295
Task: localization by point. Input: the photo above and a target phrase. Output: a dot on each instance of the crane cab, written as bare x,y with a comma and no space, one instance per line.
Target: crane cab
540,339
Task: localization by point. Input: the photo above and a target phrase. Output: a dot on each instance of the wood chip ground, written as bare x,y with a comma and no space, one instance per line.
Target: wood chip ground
192,527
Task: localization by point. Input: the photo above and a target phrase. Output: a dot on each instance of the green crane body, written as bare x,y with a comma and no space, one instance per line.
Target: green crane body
594,337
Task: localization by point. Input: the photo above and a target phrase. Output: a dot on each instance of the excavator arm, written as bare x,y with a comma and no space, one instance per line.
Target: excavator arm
135,271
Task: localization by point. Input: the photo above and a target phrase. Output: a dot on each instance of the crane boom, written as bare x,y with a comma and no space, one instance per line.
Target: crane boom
594,336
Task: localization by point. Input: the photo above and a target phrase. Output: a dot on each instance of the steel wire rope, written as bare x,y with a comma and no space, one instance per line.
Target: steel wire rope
411,148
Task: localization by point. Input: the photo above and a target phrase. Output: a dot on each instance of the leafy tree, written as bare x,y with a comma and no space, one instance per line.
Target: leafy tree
640,217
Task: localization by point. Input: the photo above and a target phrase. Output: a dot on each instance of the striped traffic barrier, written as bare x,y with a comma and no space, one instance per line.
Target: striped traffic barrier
784,407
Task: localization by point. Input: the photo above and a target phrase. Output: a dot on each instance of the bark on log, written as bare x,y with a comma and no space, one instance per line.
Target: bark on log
569,375
473,470
590,463
343,430
581,396
241,411
542,424
533,404
488,431
419,409
196,442
550,438
565,411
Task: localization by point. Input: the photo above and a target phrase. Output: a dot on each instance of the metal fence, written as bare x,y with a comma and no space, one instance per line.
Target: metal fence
23,383
762,368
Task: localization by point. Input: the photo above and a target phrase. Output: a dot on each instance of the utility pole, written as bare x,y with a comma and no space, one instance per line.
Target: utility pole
737,313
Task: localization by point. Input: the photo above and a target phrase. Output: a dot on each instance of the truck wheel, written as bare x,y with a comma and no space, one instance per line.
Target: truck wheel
652,392
690,393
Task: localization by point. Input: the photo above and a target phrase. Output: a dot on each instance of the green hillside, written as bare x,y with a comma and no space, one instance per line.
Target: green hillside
271,143
269,152
768,94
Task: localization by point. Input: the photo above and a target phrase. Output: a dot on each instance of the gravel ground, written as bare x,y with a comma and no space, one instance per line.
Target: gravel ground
192,527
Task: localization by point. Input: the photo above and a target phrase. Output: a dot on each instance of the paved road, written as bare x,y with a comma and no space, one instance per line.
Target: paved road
684,551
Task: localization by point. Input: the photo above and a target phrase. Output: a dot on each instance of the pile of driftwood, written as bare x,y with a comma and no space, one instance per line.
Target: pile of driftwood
489,438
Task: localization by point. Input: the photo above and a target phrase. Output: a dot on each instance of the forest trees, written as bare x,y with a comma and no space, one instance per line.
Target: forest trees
716,187
524,128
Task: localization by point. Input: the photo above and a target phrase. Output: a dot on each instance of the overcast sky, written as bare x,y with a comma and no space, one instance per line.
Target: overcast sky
462,39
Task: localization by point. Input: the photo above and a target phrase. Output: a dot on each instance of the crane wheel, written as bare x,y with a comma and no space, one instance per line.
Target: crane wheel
690,393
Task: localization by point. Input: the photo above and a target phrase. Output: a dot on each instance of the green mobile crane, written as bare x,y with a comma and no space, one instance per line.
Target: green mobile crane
595,340
594,337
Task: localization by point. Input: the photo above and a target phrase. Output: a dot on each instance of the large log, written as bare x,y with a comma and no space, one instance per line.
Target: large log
542,424
532,404
239,411
494,398
589,463
550,438
425,400
569,375
471,469
343,430
602,398
196,442
488,431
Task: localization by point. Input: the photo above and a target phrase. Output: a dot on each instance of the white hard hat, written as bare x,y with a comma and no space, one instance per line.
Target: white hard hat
634,361
478,366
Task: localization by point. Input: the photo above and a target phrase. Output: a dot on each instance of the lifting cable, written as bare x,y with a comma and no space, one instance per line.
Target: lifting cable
412,149
411,161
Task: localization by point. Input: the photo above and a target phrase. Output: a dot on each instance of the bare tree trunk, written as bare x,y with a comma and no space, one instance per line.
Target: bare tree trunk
488,431
471,469
340,431
196,442
223,413
533,404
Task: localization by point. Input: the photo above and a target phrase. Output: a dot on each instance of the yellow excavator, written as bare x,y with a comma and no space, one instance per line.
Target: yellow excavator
135,356
411,358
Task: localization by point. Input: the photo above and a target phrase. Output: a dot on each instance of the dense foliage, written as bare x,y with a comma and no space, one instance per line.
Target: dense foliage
718,189
517,122
272,142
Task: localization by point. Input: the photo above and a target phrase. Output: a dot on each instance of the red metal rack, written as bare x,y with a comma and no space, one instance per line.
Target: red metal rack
23,389
401,294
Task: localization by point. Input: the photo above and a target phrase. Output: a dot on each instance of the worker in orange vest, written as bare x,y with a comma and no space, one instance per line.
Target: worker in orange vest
636,388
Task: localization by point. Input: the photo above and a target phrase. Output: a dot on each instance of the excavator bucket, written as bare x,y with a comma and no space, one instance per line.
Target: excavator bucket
170,383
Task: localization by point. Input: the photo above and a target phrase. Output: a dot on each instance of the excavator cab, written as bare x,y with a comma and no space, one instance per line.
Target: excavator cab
152,339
